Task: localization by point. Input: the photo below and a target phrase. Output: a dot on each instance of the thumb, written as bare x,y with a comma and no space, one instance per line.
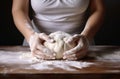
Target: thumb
73,38
45,37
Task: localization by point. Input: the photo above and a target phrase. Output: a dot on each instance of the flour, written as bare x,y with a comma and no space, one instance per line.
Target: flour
65,65
24,60
51,64
7,57
115,56
107,56
28,56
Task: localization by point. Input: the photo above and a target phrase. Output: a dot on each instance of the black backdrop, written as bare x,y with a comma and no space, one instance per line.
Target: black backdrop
109,34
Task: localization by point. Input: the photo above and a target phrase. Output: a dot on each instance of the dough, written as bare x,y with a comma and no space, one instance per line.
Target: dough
60,45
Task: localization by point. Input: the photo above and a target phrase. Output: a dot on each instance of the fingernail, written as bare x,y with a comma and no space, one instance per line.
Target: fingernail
51,40
54,54
64,57
72,59
74,55
66,53
51,57
69,40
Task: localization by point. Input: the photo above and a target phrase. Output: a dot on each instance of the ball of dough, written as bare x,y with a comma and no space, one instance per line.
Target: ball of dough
60,45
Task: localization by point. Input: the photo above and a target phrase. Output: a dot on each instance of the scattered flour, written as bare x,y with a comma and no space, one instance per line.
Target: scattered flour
25,61
107,56
7,57
65,65
110,56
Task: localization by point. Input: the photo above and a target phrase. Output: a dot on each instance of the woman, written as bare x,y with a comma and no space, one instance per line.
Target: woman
62,15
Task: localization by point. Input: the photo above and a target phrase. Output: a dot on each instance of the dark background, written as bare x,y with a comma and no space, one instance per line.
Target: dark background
109,34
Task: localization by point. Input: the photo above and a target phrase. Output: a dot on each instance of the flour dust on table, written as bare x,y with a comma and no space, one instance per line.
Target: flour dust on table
24,60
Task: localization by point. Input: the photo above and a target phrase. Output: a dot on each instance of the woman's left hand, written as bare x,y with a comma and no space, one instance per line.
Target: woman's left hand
80,50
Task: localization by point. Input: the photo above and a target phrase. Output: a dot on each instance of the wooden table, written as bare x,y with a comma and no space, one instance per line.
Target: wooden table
101,69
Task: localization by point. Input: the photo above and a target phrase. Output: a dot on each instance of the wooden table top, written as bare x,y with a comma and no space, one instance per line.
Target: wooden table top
99,66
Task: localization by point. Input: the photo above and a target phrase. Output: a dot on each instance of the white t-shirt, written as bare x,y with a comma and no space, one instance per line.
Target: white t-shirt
59,15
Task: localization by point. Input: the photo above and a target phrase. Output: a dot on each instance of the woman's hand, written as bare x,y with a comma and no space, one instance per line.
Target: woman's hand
38,49
80,50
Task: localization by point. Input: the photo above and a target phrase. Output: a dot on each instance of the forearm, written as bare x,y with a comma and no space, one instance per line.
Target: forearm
93,24
23,23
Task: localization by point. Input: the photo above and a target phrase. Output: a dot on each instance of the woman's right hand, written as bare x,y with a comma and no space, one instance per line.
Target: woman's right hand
38,49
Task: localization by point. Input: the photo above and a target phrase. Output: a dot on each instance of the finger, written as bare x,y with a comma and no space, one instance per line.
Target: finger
45,50
78,55
80,50
73,50
41,55
82,44
71,59
45,37
85,41
38,54
69,52
73,38
81,54
69,56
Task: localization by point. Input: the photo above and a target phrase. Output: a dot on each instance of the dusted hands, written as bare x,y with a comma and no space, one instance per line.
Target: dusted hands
38,49
80,50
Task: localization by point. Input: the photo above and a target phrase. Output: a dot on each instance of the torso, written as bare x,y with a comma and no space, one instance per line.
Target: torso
63,15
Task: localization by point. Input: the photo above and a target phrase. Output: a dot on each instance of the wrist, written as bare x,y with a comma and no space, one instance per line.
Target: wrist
28,37
33,38
88,36
85,38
